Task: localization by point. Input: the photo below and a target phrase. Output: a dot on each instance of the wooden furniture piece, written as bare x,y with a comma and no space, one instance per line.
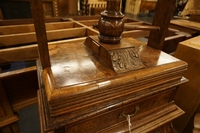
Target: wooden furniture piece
188,95
190,27
90,86
196,123
147,6
8,120
18,90
95,95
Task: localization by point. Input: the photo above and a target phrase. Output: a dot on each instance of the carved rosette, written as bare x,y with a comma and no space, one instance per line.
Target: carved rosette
125,59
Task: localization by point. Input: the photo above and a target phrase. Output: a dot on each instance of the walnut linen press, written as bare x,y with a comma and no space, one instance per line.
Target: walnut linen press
89,86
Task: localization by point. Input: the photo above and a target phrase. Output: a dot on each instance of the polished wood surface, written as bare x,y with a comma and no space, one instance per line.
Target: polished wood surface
83,91
188,95
81,87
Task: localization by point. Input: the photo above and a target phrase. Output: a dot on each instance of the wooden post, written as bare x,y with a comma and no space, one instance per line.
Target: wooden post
163,14
40,29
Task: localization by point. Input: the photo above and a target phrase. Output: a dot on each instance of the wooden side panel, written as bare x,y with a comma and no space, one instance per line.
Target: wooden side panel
7,117
18,81
188,95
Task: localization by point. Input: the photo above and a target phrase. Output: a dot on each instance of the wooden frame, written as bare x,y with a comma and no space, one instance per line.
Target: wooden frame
18,38
80,29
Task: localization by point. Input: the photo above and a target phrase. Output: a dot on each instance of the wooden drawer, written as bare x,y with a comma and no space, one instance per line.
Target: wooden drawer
118,115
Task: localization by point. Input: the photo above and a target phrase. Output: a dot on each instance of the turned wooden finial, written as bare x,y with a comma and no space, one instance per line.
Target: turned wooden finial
111,23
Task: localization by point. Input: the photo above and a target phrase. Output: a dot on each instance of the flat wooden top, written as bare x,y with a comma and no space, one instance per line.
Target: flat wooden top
193,42
186,23
73,63
79,82
76,69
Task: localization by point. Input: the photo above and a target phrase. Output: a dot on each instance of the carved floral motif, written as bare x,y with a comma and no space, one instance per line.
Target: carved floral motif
125,59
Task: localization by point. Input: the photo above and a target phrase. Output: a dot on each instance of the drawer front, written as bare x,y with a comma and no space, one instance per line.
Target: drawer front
118,115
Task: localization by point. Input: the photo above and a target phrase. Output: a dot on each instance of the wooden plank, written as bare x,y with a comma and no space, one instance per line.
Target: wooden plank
80,24
15,29
9,121
28,38
66,33
88,22
13,91
188,26
136,23
23,53
47,20
135,33
162,19
27,21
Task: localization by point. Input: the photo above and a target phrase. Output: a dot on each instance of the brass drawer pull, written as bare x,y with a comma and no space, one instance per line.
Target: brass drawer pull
122,114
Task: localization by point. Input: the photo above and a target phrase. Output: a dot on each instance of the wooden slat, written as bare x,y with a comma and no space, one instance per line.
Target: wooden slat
21,53
16,29
23,80
161,19
135,33
92,32
88,22
27,38
66,33
27,21
9,121
29,52
27,102
136,23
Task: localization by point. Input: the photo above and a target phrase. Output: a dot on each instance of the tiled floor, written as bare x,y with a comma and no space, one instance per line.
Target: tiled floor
29,119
